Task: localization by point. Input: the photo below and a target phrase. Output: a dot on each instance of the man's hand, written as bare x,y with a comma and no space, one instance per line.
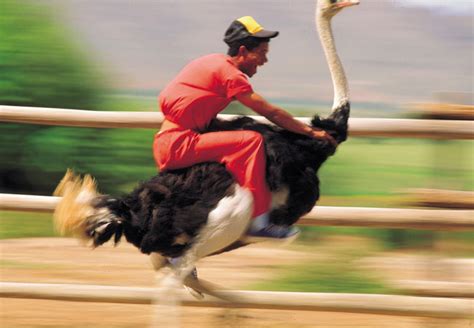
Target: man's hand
321,134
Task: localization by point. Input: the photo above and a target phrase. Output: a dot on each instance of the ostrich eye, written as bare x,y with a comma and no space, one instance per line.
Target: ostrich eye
332,1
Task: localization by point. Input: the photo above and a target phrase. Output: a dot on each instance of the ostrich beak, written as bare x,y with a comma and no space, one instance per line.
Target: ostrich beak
347,3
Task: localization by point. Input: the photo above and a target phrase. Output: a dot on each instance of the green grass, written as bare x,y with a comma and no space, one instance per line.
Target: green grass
129,103
324,278
25,224
389,239
335,273
378,167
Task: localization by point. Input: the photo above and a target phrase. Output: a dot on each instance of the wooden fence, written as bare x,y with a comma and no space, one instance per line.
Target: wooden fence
355,303
319,216
349,216
362,127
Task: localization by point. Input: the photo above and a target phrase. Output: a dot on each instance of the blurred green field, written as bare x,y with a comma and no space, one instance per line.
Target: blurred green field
336,255
369,172
332,268
372,172
364,172
25,225
387,166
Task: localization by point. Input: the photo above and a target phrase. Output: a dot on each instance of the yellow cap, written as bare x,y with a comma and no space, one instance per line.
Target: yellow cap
250,24
244,27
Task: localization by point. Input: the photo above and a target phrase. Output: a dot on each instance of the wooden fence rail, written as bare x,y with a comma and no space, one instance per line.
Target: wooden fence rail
436,288
319,216
441,198
363,127
355,303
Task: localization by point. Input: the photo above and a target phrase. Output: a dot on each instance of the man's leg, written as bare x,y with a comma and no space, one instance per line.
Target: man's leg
243,154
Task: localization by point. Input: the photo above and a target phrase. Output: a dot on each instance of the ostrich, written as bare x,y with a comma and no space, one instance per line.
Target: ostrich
198,211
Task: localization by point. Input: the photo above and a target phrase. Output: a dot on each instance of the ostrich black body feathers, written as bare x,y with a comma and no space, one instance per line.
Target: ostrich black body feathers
164,213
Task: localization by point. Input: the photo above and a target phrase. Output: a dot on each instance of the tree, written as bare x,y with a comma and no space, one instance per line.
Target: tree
41,66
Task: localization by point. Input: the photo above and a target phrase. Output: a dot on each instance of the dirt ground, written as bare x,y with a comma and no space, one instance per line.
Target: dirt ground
62,260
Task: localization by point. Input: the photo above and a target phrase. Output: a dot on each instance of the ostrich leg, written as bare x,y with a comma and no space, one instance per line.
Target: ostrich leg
227,222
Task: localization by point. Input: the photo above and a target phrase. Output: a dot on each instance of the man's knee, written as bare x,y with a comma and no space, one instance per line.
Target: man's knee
253,137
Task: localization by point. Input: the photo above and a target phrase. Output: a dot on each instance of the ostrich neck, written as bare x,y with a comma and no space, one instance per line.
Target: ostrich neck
341,89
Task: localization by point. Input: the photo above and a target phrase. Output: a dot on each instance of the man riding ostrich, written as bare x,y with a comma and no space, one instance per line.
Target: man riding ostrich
222,183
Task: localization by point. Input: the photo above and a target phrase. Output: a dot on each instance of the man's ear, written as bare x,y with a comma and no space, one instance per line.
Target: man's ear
243,51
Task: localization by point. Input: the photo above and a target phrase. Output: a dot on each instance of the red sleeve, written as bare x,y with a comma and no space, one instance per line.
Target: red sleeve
237,84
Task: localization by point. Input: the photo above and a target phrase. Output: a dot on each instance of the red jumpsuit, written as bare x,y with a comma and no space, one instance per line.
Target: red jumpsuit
196,95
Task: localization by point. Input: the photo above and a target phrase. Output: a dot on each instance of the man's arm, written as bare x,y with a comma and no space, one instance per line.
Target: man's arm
280,117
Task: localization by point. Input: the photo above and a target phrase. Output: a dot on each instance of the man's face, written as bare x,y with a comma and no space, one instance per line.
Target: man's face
254,58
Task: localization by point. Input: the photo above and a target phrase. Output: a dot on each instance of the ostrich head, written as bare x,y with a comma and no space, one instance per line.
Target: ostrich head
329,8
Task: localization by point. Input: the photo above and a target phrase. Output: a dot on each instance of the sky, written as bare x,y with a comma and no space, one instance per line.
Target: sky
394,51
456,6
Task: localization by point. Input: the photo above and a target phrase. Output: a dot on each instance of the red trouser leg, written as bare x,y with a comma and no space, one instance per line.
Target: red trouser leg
242,152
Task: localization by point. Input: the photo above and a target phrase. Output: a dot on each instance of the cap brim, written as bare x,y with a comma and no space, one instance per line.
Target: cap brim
266,34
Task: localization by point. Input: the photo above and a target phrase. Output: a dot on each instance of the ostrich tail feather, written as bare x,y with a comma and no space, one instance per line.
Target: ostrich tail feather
68,179
76,206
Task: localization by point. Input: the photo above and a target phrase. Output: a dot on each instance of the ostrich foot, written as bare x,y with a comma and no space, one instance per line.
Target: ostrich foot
193,276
